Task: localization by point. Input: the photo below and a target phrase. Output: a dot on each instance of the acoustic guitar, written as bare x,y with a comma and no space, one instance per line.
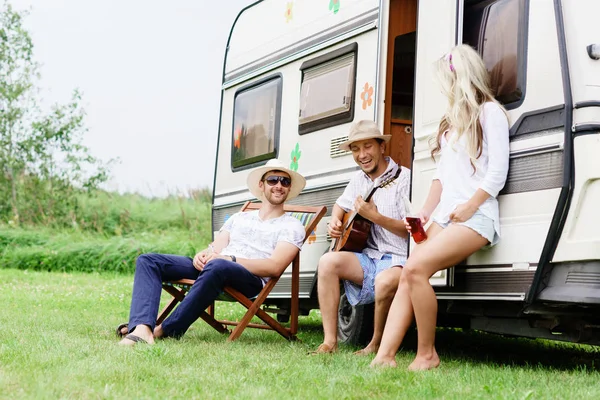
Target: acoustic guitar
355,228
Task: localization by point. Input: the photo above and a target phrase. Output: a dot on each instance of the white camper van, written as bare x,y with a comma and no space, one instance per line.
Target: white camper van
297,73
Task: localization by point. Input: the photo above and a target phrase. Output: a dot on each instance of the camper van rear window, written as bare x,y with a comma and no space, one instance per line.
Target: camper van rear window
256,119
326,94
497,29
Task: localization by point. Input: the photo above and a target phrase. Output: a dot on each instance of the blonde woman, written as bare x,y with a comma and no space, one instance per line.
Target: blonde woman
473,147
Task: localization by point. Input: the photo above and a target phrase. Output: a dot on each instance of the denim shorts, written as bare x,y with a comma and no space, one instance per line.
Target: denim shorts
365,294
480,223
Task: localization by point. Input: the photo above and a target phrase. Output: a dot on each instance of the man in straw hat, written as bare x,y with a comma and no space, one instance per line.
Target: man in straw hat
368,276
249,248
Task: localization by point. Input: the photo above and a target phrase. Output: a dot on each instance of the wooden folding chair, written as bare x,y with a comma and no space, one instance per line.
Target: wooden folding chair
310,217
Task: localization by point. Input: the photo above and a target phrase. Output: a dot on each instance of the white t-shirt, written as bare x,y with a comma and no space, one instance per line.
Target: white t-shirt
251,237
454,170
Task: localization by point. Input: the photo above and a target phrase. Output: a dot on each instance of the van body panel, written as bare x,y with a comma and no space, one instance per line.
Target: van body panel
580,239
264,35
512,287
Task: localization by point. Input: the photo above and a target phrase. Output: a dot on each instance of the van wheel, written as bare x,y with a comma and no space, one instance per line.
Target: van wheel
355,324
283,318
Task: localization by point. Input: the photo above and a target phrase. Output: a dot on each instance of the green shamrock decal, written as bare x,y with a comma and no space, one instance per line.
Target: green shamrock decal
334,5
296,153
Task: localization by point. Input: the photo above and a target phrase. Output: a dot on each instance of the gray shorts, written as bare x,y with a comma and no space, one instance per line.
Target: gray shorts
365,293
480,223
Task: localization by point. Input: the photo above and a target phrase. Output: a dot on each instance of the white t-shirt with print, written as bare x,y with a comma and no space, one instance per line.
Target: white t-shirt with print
251,237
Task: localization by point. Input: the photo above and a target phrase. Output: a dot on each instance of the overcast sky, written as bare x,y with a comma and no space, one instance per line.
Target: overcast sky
150,72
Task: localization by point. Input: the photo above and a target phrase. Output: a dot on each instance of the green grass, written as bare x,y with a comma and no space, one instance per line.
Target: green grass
57,341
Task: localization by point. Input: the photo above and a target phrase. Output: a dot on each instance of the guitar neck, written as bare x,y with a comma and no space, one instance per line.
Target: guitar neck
371,193
367,198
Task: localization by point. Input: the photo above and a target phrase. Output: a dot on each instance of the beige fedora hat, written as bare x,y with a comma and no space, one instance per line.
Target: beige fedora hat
298,181
363,130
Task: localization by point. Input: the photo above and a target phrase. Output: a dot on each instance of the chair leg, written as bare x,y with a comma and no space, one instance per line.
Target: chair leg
283,331
178,295
209,319
295,294
254,309
166,311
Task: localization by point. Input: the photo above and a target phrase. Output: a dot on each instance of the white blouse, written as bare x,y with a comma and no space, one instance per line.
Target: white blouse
454,170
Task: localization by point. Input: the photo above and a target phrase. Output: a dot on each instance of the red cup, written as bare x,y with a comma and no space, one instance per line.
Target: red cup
416,229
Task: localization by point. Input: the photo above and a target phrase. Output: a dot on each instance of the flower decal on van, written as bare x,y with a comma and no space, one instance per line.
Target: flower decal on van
288,11
367,96
296,153
237,138
334,5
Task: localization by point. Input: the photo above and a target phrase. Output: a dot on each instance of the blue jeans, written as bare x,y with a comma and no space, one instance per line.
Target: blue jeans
152,269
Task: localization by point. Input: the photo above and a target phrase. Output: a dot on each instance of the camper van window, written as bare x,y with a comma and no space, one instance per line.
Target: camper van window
495,28
327,91
256,119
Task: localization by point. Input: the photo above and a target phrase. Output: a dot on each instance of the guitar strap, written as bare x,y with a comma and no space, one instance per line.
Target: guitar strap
388,176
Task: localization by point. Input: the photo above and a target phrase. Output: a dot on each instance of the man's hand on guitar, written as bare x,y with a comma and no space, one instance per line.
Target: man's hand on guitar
367,210
334,228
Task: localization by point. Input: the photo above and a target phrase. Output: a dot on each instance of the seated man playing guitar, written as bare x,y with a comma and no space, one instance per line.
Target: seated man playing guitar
374,194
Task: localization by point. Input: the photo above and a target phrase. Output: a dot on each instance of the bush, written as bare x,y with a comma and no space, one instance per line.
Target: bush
115,214
71,251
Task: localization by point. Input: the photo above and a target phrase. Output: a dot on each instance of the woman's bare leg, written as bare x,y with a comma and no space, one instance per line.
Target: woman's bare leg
449,247
400,316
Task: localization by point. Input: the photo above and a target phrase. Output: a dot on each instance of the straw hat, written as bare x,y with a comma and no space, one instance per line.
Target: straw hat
363,130
298,181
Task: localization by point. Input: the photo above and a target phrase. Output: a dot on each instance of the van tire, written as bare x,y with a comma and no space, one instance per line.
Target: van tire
355,324
283,318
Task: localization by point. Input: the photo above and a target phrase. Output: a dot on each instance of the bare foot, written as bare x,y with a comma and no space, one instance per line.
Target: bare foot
325,348
370,349
158,332
423,363
384,362
141,334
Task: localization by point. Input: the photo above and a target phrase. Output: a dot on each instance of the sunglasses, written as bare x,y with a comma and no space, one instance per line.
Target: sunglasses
273,179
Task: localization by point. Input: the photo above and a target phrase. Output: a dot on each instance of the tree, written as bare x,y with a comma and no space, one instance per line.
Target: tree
43,162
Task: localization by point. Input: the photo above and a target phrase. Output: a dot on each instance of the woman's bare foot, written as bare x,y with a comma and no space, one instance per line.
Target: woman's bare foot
370,349
141,334
383,362
423,363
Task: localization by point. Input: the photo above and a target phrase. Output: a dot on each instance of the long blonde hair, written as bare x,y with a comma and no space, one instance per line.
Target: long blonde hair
465,82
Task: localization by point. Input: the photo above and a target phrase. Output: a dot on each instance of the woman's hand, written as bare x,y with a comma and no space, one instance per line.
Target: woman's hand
423,216
463,212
